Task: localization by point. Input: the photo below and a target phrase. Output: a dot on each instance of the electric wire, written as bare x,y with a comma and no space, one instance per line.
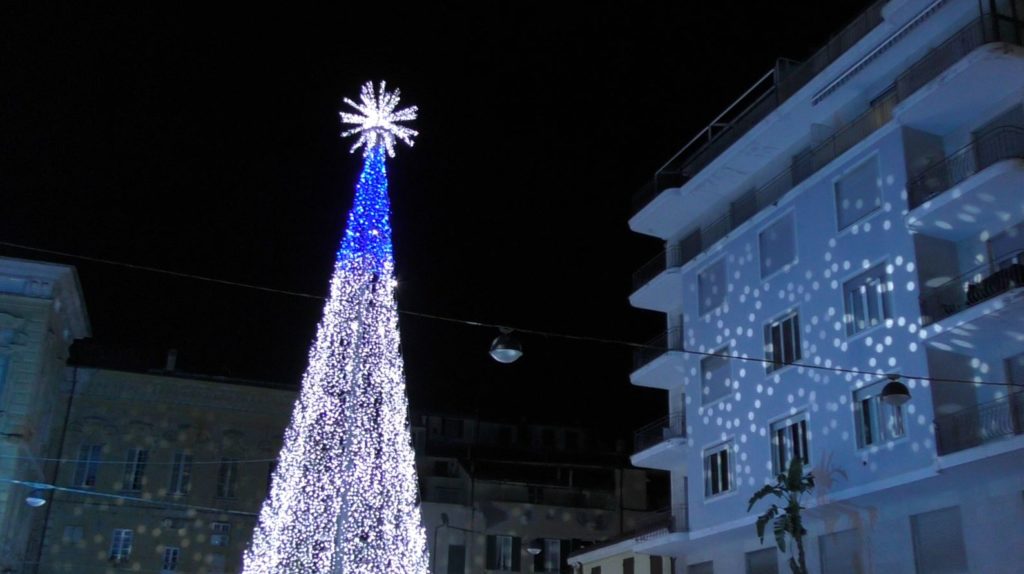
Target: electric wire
529,331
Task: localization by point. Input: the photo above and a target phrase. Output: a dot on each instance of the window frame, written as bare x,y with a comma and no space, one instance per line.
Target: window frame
227,478
701,311
790,215
710,467
772,365
87,466
556,565
170,559
784,452
181,474
121,542
135,469
873,158
862,278
719,354
220,534
879,434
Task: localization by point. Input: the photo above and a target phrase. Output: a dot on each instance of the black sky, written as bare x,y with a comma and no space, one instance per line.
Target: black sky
206,141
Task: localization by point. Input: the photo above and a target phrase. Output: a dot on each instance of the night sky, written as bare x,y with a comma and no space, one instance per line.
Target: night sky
206,142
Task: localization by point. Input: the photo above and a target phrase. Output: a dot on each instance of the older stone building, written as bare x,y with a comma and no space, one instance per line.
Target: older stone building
41,314
164,472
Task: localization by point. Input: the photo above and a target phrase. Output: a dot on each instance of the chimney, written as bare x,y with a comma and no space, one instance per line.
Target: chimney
172,360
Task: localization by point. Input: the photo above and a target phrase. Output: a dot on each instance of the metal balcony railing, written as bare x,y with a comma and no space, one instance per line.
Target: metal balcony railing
995,145
758,101
980,424
689,162
670,340
973,287
665,428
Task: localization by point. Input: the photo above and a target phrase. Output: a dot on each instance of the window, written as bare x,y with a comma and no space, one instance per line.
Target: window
656,565
120,545
87,465
552,555
763,561
702,568
221,533
170,561
866,300
135,468
716,377
503,553
595,570
227,477
841,553
938,542
782,342
456,559
711,286
72,534
181,473
716,470
876,420
789,441
628,565
858,194
778,245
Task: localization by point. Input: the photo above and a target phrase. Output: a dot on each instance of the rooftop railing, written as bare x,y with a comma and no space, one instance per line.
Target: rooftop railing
670,340
764,96
980,424
975,286
995,145
659,431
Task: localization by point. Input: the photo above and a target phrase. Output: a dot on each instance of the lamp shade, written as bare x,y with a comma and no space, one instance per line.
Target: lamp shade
505,348
35,499
895,392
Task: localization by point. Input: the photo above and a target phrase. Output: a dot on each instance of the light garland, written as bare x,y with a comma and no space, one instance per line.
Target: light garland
344,495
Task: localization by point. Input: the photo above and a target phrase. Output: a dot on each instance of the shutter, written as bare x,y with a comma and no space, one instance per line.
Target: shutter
492,552
516,550
566,549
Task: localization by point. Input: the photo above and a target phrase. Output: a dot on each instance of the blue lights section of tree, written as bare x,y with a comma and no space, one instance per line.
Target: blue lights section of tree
344,494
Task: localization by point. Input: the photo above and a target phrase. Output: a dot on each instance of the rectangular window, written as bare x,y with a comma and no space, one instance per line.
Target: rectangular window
628,565
711,286
135,468
552,555
876,420
181,473
858,194
841,552
716,376
72,534
763,561
227,477
503,553
938,541
866,300
717,475
87,464
121,545
170,561
778,245
220,533
782,342
656,565
789,441
702,568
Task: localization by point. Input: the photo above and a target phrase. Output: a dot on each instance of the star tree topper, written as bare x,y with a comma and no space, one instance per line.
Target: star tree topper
377,120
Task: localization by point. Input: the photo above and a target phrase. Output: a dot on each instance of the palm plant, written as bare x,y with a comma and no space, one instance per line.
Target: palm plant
790,488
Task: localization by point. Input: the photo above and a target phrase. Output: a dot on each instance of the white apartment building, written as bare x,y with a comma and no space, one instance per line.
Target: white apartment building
852,217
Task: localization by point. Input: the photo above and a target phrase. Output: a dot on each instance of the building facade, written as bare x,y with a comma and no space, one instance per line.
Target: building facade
42,312
517,497
161,472
853,218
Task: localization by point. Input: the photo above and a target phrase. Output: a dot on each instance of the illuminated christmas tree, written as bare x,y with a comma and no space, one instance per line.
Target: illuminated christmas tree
344,497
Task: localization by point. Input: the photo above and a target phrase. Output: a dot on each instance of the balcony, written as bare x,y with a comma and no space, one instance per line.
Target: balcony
660,362
981,309
665,540
981,424
661,444
658,285
974,191
952,83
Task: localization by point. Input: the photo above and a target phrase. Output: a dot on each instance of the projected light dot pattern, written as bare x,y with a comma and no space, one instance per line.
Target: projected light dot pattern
344,495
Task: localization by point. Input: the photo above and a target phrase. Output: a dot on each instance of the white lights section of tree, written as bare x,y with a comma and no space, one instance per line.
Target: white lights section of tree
344,495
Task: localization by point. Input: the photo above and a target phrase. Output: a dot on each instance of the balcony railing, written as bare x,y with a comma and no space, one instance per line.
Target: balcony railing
665,428
997,144
671,340
757,102
980,424
969,289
